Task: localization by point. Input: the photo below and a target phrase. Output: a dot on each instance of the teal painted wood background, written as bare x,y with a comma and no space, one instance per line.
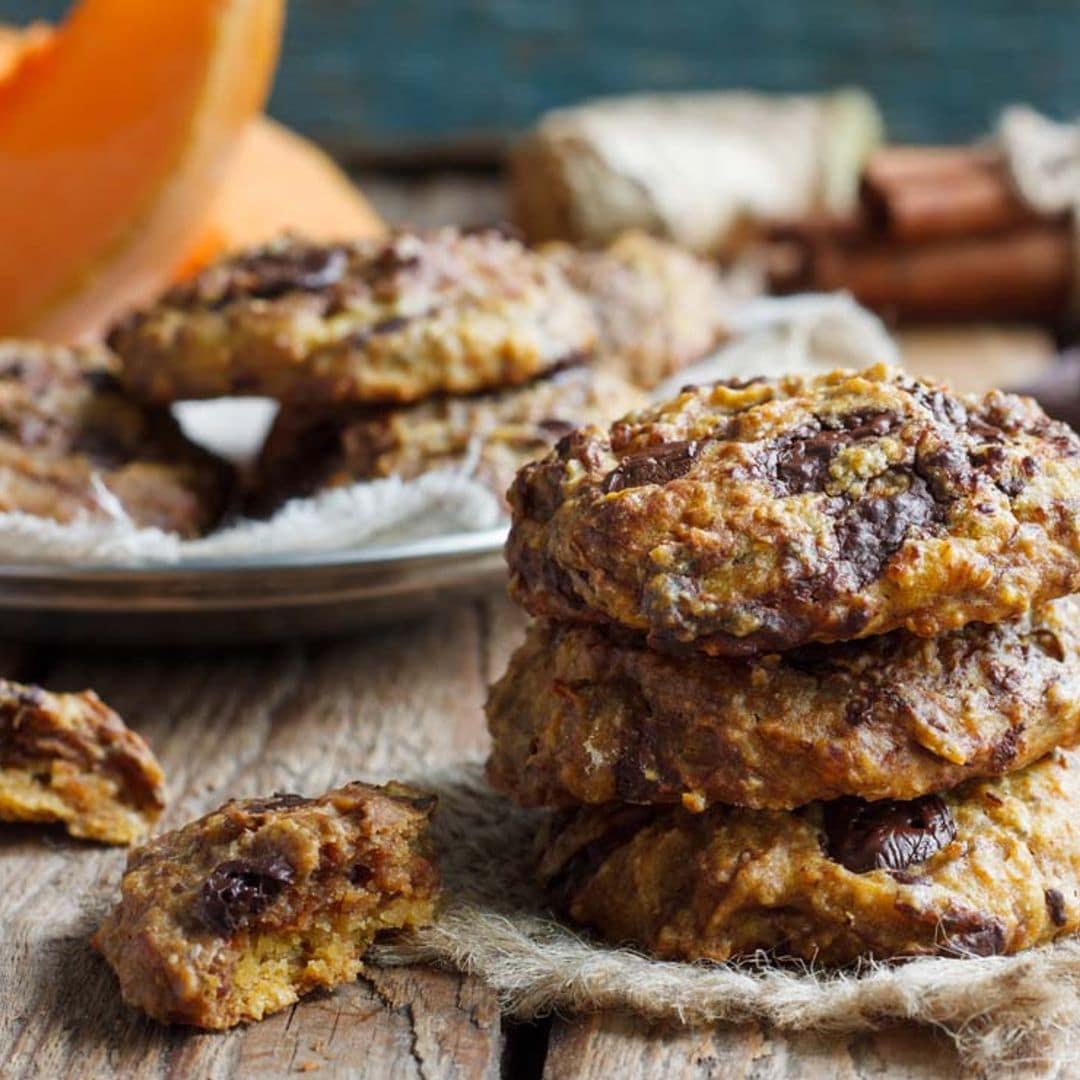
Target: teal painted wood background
388,73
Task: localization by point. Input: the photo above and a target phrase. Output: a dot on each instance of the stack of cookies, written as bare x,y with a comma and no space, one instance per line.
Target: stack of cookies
421,351
804,671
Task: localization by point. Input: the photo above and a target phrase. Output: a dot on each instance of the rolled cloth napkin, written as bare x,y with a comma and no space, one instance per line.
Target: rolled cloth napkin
690,167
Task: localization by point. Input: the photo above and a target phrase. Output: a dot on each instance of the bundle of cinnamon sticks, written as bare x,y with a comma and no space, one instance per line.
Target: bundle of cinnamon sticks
939,233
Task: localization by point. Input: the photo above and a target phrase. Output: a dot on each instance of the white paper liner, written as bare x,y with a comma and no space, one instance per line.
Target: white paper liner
770,336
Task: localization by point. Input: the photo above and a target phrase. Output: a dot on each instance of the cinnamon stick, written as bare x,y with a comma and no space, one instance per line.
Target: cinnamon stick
1022,274
913,194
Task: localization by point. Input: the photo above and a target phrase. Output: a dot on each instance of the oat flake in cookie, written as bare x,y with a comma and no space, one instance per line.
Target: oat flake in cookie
69,759
238,914
739,519
583,715
74,446
990,867
492,435
390,320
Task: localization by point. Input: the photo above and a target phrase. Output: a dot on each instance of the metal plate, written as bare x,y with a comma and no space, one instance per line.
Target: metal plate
256,600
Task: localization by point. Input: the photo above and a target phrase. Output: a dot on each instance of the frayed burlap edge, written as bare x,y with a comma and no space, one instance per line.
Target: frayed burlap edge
999,1011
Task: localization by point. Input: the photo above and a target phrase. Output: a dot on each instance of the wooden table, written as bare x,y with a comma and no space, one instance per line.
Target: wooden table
306,717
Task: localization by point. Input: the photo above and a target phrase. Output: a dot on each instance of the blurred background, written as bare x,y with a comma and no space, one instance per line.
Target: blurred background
388,81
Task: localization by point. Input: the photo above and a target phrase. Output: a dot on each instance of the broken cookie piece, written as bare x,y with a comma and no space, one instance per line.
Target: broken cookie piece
240,913
69,758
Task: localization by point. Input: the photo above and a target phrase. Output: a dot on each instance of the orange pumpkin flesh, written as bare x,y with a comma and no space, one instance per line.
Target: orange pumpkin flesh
114,136
278,181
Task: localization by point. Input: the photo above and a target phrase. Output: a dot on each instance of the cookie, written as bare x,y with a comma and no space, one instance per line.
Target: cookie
491,435
990,867
391,320
73,446
69,759
658,307
738,519
240,913
583,717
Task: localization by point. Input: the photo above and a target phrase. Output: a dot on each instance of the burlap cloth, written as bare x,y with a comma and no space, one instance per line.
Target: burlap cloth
1004,1013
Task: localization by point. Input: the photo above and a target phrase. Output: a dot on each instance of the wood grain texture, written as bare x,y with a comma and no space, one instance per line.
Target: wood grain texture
617,1045
364,74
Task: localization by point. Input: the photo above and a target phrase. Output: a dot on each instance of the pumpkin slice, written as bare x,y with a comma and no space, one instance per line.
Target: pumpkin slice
114,136
276,182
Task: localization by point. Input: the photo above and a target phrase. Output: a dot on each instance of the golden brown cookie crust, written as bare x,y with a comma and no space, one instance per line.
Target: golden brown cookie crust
738,519
658,308
69,759
991,867
582,716
392,320
238,914
73,446
492,435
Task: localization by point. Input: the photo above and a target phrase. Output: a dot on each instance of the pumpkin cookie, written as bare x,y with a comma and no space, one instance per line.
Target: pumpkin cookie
658,307
240,913
990,867
583,717
492,435
738,519
68,758
73,446
391,320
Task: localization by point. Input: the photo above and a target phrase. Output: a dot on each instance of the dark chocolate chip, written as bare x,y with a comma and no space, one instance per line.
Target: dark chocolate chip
1008,746
238,890
804,456
360,874
873,529
280,800
887,835
972,933
268,275
1055,905
653,465
102,382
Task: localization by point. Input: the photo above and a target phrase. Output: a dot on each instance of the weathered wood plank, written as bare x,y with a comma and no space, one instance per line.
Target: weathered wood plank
615,1044
290,717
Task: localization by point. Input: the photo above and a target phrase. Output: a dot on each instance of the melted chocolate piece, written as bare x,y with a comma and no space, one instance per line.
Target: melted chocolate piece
887,835
271,274
238,890
803,458
653,465
280,800
971,933
1055,905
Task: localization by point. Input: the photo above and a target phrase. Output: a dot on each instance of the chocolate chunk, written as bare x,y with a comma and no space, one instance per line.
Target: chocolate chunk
971,933
873,529
1055,905
804,457
101,381
238,890
268,275
1007,748
653,465
887,835
360,874
280,800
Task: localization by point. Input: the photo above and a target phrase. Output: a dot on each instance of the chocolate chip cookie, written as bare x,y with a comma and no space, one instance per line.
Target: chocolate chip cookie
73,446
738,519
490,435
240,913
391,320
658,307
69,759
583,717
991,867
